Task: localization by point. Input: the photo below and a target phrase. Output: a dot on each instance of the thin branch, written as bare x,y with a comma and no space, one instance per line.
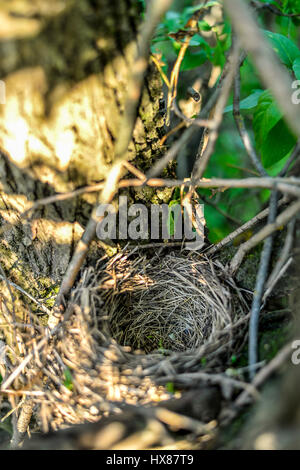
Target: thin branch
259,287
272,73
240,123
10,283
172,131
204,155
272,8
244,398
50,333
221,211
281,219
190,29
282,261
293,157
187,134
174,77
278,275
22,423
247,226
158,64
209,123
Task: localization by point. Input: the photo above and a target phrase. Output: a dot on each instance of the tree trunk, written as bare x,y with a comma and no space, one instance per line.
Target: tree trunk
65,65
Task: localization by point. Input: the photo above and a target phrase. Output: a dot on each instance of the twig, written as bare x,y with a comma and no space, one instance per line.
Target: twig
45,309
172,151
271,72
188,34
209,123
294,156
250,224
272,8
285,185
139,174
159,67
172,131
48,335
22,424
282,219
223,213
282,259
156,245
179,421
278,276
187,134
203,156
259,287
264,373
219,379
174,77
240,123
241,168
30,393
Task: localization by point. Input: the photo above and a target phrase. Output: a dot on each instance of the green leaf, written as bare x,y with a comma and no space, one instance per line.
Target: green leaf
247,104
204,26
279,142
172,217
68,382
170,387
173,21
198,40
233,359
266,116
285,48
272,136
192,60
296,67
289,6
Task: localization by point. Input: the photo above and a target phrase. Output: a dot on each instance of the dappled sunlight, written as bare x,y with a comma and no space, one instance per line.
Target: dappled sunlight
12,28
26,133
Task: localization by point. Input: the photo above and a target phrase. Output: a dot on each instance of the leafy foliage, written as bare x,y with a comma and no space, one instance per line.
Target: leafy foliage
272,138
286,50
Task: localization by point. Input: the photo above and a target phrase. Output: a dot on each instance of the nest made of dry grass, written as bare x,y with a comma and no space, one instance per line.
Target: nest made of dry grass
134,323
176,303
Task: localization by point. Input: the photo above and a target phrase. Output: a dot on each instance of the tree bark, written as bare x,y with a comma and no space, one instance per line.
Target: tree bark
65,65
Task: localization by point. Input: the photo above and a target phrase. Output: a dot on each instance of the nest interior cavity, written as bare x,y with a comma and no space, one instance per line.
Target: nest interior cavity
174,303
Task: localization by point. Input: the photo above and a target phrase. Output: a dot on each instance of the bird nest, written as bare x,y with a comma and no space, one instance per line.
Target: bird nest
136,325
176,303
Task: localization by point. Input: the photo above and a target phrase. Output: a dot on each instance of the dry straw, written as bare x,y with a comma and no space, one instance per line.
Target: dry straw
138,322
171,304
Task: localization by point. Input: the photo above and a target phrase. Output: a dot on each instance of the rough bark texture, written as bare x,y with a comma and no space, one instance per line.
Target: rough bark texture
65,65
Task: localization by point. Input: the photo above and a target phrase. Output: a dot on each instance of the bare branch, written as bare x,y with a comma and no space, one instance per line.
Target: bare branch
272,73
248,225
282,219
259,287
240,123
204,155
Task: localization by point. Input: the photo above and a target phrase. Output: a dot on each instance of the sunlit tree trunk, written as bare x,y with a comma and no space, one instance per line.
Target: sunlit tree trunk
65,66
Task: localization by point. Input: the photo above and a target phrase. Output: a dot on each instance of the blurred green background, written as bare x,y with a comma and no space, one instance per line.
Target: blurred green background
273,141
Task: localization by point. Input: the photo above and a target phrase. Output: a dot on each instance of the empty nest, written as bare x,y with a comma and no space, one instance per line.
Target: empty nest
133,324
174,303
